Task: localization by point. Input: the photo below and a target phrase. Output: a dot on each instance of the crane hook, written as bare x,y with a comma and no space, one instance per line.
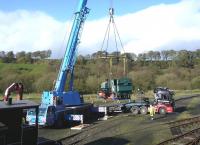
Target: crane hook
111,11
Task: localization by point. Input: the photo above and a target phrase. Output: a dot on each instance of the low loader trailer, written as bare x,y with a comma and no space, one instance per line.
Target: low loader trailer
163,103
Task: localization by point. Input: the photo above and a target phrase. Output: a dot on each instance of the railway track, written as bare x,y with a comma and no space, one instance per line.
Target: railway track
182,126
185,132
190,138
94,132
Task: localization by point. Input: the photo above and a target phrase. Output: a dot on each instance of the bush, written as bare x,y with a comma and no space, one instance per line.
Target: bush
195,83
46,82
164,80
144,79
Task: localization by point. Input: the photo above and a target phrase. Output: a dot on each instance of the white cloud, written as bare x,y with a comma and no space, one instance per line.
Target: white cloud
164,26
29,31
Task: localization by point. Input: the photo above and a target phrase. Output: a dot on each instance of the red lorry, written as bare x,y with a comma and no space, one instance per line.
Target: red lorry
164,102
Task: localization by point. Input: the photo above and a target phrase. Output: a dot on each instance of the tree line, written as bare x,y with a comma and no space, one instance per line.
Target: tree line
186,57
23,57
173,69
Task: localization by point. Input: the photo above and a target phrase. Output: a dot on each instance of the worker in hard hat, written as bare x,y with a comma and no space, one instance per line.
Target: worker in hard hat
152,111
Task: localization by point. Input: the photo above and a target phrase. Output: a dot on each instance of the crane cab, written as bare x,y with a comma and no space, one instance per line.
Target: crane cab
45,117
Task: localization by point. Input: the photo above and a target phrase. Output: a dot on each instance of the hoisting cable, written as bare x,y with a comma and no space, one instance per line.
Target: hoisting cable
116,33
119,37
107,37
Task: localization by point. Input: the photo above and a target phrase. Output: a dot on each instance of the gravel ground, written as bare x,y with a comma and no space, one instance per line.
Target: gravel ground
125,129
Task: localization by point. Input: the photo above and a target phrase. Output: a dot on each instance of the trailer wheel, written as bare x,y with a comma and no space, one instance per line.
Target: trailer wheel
143,110
134,110
162,111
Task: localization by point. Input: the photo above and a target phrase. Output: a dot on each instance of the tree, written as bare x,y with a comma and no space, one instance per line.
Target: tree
99,54
87,57
115,53
165,54
48,53
130,56
20,57
2,54
185,58
41,54
156,55
142,57
28,58
197,54
172,54
36,55
150,55
81,60
11,57
45,54
20,54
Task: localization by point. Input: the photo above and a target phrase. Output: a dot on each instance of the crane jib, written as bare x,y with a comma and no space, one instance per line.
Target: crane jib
71,49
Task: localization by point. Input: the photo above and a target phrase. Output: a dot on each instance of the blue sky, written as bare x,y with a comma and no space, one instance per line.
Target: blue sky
63,9
143,25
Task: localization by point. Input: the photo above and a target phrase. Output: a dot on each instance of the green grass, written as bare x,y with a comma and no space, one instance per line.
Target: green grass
180,93
23,68
192,108
33,97
92,98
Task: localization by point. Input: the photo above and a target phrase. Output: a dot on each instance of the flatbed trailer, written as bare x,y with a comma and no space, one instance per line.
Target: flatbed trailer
135,107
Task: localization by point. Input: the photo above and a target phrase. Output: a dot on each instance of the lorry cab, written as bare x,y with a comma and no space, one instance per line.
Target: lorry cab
46,116
164,102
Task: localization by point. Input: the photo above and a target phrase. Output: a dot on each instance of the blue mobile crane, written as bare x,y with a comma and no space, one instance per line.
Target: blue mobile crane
57,105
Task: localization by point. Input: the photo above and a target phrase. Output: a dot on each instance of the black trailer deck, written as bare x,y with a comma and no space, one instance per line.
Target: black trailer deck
20,104
11,117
